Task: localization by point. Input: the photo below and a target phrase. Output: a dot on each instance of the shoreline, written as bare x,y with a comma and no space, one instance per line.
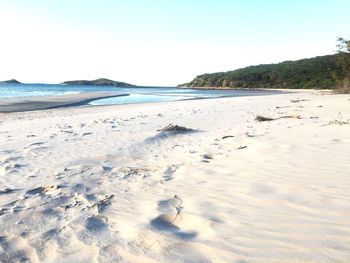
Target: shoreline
22,104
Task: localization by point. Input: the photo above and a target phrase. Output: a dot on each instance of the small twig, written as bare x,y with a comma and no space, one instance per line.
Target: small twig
178,208
178,198
145,250
178,213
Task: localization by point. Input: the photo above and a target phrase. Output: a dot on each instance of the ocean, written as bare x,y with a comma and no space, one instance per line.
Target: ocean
136,94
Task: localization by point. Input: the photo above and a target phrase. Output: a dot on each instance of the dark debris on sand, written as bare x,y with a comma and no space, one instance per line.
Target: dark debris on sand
175,128
262,118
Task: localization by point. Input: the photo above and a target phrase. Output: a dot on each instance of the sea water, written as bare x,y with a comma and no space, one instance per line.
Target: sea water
136,94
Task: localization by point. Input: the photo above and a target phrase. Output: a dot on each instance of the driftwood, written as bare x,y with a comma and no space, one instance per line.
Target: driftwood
208,156
262,118
242,147
227,136
297,101
102,204
281,107
289,117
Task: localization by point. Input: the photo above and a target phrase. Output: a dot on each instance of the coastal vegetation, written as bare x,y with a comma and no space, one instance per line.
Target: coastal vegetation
309,73
99,82
322,72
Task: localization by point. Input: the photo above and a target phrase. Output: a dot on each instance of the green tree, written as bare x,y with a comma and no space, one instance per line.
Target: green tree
343,45
343,61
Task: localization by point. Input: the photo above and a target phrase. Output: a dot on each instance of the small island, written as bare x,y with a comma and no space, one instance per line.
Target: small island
99,82
11,81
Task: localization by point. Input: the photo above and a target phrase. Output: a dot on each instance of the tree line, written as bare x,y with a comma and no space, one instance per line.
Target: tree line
323,72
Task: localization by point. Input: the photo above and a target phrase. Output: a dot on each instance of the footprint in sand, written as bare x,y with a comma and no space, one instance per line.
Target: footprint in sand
11,167
11,207
34,144
43,190
6,190
170,204
13,159
53,135
182,224
16,249
169,173
207,157
132,172
95,224
104,203
7,151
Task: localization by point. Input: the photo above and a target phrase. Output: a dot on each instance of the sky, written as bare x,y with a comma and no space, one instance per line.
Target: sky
160,42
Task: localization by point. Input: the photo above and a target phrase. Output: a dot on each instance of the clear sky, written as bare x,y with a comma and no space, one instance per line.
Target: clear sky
160,42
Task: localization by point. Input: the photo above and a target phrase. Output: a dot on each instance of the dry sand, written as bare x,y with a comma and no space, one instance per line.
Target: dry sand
101,184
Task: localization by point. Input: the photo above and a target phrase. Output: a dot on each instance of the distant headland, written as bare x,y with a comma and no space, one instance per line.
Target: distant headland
99,82
11,81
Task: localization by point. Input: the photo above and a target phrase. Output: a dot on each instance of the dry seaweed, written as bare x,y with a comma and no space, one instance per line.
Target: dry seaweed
169,131
289,117
174,128
340,121
298,100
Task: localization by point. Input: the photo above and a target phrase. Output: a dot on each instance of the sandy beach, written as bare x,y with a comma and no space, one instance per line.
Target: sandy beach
107,184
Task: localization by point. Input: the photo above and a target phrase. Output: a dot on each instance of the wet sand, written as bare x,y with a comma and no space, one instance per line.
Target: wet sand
50,102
